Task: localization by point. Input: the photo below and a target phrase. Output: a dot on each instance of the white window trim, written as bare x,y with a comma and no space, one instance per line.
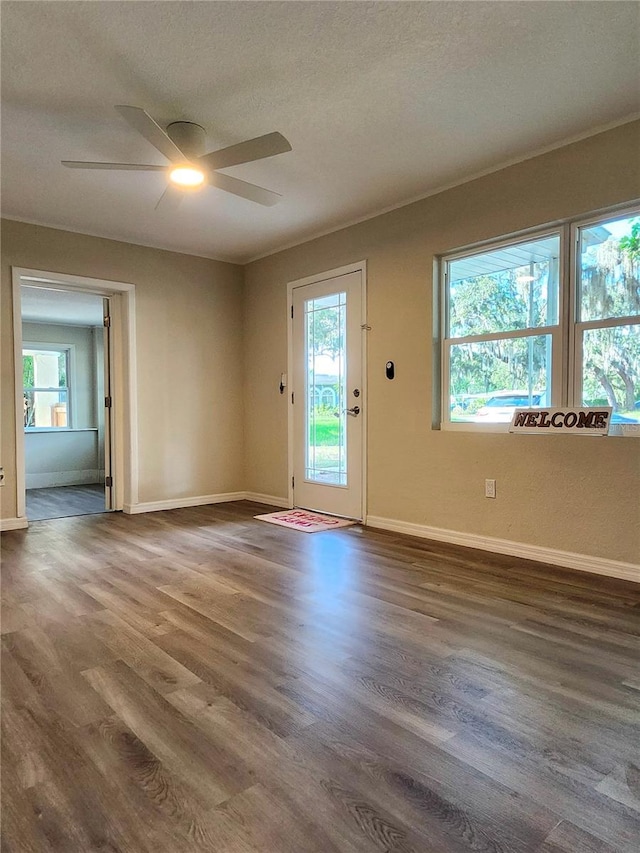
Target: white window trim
567,335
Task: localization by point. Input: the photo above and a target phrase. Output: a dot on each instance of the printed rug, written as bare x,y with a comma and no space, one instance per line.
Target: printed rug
302,519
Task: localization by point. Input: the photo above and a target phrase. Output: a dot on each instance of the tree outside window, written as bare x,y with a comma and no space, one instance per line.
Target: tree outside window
506,337
610,314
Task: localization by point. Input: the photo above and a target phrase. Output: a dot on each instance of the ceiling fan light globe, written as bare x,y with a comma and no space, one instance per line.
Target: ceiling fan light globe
187,176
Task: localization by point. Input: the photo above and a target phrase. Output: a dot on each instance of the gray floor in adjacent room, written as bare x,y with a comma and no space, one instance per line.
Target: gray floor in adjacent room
63,501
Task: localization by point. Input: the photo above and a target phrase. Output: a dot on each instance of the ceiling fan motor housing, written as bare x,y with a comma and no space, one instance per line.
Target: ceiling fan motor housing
189,137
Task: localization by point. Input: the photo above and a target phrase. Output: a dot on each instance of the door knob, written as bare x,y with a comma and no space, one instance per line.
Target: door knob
354,412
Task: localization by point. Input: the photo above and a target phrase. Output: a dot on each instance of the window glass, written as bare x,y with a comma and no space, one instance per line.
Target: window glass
610,269
489,379
325,344
45,388
611,370
506,289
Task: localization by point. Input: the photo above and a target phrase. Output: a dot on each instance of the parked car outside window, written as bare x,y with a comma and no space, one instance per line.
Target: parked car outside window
500,407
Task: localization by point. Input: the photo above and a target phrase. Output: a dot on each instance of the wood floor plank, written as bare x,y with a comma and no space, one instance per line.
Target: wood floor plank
144,657
241,683
276,765
567,838
438,817
195,680
172,817
60,685
623,784
168,734
127,607
57,796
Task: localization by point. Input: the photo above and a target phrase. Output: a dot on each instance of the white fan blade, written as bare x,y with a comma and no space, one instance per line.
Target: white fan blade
243,189
246,152
152,132
170,199
132,167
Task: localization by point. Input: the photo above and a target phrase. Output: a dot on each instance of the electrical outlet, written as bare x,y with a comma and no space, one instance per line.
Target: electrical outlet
489,488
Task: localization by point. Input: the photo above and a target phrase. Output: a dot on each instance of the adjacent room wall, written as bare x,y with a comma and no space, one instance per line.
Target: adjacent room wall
67,457
572,493
189,341
84,380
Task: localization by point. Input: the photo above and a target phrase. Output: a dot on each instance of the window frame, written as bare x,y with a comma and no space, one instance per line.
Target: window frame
69,351
566,336
578,326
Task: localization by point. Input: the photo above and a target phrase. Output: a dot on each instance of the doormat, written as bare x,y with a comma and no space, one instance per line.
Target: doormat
305,521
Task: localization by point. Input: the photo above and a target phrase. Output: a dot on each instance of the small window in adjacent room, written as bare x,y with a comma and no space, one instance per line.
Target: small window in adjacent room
548,320
46,388
502,330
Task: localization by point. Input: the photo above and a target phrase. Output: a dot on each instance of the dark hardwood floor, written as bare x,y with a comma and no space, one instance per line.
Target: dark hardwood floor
197,680
63,501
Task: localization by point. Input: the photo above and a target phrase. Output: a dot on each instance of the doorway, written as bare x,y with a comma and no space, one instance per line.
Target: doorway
76,437
328,401
65,371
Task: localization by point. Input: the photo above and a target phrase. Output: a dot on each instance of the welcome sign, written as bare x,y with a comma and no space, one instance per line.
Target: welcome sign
584,421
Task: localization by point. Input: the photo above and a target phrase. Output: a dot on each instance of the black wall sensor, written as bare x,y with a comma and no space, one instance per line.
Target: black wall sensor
390,369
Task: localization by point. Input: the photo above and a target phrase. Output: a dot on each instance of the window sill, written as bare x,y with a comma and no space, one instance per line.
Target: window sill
615,430
55,430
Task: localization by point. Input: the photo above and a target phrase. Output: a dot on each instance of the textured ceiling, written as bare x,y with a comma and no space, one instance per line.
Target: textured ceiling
40,305
382,103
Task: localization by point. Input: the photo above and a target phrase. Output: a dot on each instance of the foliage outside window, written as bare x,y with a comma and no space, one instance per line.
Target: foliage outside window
325,335
520,333
45,388
608,328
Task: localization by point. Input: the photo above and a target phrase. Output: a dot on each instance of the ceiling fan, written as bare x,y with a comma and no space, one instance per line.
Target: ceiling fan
189,167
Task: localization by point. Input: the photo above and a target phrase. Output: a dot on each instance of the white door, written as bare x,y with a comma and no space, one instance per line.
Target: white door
327,395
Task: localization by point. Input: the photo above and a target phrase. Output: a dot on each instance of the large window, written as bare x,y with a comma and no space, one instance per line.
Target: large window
525,325
45,385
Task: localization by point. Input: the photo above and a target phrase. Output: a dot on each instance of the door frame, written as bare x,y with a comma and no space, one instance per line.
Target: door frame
125,414
361,267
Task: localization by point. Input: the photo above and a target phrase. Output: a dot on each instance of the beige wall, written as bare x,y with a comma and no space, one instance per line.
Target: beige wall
195,347
566,492
189,341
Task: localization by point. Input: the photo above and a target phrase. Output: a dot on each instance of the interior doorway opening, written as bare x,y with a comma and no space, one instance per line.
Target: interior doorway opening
65,370
76,441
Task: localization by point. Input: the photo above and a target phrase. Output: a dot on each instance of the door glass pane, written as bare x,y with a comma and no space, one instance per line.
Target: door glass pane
610,269
326,393
611,371
489,379
504,290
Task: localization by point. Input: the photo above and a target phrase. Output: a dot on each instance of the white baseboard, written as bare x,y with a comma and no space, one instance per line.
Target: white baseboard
181,503
273,500
13,524
52,479
566,559
202,500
